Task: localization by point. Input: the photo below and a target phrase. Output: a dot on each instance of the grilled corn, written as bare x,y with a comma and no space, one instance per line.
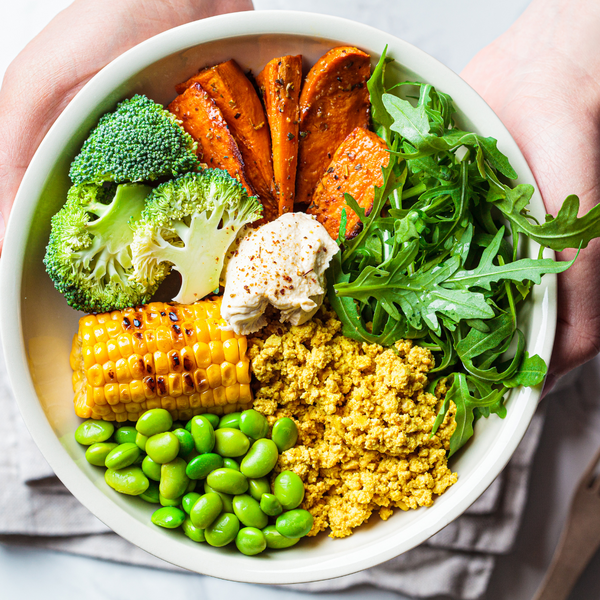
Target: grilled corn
167,355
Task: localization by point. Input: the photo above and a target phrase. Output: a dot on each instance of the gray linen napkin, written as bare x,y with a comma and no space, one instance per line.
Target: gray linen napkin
37,510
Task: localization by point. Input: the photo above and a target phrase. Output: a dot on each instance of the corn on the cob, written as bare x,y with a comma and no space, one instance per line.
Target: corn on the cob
167,355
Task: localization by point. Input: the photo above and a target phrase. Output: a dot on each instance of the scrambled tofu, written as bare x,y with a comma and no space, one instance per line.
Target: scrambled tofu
364,421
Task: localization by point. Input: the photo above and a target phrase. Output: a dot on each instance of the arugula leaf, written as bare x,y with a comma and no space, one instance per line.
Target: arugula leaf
410,122
531,372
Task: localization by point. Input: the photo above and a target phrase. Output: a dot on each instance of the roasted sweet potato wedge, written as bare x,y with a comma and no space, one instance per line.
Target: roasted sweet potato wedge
203,120
242,110
279,83
355,169
334,100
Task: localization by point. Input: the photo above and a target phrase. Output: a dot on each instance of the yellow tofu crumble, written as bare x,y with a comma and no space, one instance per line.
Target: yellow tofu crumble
364,420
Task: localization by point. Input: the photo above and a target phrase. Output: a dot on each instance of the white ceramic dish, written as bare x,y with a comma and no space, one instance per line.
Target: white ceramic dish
37,325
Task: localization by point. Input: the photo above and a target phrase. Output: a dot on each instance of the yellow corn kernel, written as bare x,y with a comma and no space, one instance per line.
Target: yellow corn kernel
112,347
220,396
242,370
216,352
213,374
228,374
231,351
161,363
202,355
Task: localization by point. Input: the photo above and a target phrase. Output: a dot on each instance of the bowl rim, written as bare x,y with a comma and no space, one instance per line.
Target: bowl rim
117,72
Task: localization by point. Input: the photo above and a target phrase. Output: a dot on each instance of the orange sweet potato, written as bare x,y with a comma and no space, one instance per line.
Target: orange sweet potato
333,102
204,122
242,110
280,83
355,169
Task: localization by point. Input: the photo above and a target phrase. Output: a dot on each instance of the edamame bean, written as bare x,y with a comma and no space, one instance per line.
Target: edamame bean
153,421
203,464
228,481
250,541
294,523
230,463
188,426
194,533
227,499
92,431
191,486
189,500
212,419
289,489
162,447
260,460
231,442
169,501
222,530
173,480
140,441
168,517
186,441
232,420
258,487
276,540
151,469
130,480
125,434
206,509
253,424
270,505
248,511
96,453
203,434
284,434
122,456
152,494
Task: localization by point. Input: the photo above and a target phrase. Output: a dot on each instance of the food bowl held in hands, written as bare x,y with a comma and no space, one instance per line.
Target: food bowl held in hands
37,324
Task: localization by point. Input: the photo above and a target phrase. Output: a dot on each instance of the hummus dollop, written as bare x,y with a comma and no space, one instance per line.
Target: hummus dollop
282,263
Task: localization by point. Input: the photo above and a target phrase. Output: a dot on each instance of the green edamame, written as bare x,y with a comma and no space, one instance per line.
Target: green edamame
169,501
289,489
258,487
151,495
140,441
162,447
223,530
168,517
253,424
93,431
96,453
270,505
250,541
203,433
230,463
130,480
153,421
189,500
191,486
248,511
194,533
173,480
151,469
284,434
122,456
231,442
232,420
186,441
294,523
200,466
260,460
275,540
125,434
228,481
206,509
227,499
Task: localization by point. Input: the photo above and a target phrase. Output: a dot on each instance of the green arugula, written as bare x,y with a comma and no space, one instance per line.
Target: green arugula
437,257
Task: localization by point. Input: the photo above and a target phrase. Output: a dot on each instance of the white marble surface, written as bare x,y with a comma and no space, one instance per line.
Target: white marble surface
453,32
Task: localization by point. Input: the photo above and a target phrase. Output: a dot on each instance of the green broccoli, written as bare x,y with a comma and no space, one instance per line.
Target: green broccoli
88,256
139,141
190,223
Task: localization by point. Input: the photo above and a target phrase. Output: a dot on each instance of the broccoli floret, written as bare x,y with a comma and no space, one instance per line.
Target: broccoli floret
88,256
139,141
190,223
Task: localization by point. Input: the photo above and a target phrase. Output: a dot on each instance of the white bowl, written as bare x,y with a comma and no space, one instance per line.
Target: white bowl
37,324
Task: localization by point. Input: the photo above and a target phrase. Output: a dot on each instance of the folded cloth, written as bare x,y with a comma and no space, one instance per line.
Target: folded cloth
37,510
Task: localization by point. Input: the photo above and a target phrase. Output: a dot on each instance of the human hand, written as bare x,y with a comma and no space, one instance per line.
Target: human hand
56,64
542,78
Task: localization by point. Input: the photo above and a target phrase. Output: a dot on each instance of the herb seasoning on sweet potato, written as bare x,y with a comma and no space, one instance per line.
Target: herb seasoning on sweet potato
280,83
333,102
